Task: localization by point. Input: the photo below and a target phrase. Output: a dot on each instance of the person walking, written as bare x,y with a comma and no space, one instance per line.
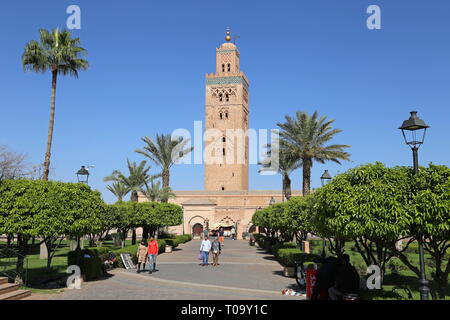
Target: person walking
205,247
221,237
205,233
216,249
233,233
152,253
142,253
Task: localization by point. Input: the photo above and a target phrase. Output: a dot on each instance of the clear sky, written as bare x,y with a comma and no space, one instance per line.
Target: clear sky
148,60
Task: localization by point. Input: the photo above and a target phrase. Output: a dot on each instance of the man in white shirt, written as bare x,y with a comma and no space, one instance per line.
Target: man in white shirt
205,247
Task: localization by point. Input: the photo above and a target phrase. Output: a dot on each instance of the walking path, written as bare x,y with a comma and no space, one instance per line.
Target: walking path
244,272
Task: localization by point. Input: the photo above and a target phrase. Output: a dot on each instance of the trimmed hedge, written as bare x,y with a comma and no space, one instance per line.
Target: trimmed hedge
282,245
174,241
288,256
91,267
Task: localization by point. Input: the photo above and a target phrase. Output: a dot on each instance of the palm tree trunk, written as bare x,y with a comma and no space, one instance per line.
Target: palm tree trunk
307,164
287,192
165,178
50,126
134,197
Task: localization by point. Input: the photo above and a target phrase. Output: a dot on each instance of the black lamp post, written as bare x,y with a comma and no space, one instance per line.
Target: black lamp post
83,175
325,178
413,131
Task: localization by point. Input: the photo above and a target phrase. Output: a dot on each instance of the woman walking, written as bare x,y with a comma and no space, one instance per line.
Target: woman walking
141,255
216,248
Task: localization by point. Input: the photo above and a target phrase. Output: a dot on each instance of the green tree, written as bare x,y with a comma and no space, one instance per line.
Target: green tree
164,152
59,53
429,218
366,204
286,163
118,189
47,209
137,176
298,213
305,137
154,192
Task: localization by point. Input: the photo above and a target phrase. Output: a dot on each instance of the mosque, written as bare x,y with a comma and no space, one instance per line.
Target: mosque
226,201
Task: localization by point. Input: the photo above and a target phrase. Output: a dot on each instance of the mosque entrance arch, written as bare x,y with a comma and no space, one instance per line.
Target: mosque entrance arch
197,229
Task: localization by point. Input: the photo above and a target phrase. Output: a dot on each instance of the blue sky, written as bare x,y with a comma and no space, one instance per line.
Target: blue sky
148,60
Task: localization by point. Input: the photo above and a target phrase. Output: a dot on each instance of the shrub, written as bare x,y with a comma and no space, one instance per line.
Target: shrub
288,256
128,249
282,245
91,267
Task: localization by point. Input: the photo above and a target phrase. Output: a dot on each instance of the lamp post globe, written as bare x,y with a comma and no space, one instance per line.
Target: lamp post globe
414,130
83,175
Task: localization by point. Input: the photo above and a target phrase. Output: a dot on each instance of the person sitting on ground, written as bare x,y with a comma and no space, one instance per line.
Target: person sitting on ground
325,278
347,280
142,255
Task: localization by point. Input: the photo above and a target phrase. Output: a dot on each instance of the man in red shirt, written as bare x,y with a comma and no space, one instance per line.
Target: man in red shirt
152,253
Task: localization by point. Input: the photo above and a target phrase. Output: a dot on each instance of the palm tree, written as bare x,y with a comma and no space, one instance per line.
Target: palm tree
284,164
58,52
119,190
155,193
305,137
136,179
164,153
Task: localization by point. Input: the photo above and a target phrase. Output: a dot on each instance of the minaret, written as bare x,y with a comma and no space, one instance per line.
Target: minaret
226,122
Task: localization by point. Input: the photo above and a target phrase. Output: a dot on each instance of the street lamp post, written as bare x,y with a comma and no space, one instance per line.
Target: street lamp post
83,175
325,178
416,129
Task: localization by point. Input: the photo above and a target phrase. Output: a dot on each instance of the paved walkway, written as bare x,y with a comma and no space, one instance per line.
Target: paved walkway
245,272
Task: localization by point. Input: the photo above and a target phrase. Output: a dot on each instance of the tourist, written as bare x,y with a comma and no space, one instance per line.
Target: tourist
141,256
216,249
347,280
205,247
152,253
325,278
233,233
221,237
205,233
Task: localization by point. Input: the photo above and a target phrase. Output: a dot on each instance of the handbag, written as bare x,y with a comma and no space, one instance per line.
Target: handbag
200,257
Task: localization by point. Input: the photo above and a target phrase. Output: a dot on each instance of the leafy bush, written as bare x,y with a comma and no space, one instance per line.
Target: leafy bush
288,256
91,267
128,249
282,245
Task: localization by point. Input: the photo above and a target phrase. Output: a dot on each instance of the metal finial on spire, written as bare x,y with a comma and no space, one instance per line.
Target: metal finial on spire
228,36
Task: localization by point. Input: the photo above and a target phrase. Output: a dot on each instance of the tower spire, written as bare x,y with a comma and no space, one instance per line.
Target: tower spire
228,36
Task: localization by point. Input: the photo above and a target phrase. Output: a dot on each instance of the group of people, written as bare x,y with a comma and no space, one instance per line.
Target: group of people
336,278
206,247
147,252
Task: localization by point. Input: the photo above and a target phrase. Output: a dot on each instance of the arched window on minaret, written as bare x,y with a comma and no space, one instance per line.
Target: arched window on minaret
220,97
220,115
227,97
226,115
229,67
223,67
